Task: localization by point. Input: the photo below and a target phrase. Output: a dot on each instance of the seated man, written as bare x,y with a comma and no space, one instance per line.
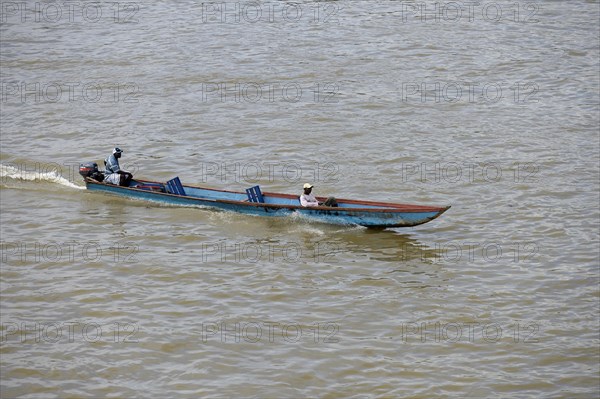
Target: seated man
113,173
308,199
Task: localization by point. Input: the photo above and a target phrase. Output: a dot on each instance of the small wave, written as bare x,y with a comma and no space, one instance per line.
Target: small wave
308,224
9,171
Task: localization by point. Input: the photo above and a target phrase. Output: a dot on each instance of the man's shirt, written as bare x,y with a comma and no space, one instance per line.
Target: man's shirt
308,200
112,164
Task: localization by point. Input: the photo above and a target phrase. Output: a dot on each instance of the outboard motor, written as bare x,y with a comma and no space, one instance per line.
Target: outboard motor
90,169
86,169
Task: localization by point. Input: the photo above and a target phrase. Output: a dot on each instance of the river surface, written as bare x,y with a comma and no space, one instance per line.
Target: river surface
491,107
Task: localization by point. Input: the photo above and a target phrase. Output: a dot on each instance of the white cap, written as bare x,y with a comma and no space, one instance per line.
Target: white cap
308,185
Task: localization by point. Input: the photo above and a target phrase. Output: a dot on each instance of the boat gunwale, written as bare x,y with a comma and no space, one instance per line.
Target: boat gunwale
385,207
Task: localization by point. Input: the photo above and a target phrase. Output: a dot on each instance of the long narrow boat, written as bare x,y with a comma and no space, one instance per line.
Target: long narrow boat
254,202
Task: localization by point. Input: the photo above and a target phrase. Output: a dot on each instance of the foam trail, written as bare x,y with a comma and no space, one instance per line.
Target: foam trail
8,171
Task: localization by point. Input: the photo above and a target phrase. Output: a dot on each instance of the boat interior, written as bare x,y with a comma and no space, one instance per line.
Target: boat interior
252,194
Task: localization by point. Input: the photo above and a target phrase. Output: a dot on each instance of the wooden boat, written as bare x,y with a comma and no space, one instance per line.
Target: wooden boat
254,202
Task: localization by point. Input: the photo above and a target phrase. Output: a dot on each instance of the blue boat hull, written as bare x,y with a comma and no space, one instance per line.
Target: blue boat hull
363,213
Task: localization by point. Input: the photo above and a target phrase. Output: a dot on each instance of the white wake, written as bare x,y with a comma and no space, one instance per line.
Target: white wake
52,176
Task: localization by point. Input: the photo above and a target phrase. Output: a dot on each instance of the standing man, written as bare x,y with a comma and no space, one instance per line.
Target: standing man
308,199
113,173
